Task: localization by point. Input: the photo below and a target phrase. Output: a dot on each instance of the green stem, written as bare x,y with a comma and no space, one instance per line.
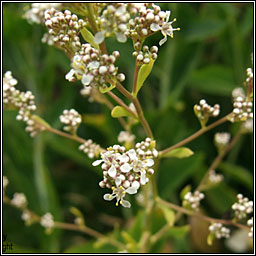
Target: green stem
218,160
206,218
195,135
121,103
135,78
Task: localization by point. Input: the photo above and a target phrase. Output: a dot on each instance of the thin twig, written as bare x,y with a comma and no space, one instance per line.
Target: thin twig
195,135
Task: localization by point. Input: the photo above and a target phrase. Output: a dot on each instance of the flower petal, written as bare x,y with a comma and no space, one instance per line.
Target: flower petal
70,75
143,178
155,27
112,171
131,190
136,184
118,181
125,203
125,167
123,158
162,41
99,37
97,162
149,162
109,197
132,154
86,79
121,37
167,16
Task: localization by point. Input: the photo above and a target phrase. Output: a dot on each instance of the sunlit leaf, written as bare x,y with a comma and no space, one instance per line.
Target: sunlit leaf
181,152
88,37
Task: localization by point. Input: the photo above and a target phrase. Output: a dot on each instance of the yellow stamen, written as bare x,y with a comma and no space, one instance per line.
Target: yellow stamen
110,196
116,203
113,188
121,202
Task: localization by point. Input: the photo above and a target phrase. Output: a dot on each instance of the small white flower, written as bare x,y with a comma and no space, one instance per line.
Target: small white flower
119,194
47,221
99,37
70,75
19,200
86,79
165,28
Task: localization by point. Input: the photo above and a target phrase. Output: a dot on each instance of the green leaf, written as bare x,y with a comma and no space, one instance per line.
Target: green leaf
210,238
144,72
119,111
184,191
168,214
88,37
181,152
214,79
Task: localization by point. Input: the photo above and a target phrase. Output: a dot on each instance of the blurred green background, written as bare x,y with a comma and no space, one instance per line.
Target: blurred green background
206,59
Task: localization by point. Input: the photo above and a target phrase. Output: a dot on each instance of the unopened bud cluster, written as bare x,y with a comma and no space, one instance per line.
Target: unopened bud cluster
23,101
250,224
243,207
36,13
47,221
113,20
143,56
221,139
249,74
64,28
72,119
219,230
204,111
90,148
192,200
19,200
123,172
146,149
242,110
214,178
93,68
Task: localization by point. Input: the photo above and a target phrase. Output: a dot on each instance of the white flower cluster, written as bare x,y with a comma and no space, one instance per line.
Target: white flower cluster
214,178
143,56
47,221
219,230
193,199
23,101
93,68
64,28
243,207
124,172
146,149
72,119
221,139
36,13
242,110
203,111
149,19
90,148
125,137
19,200
113,20
250,224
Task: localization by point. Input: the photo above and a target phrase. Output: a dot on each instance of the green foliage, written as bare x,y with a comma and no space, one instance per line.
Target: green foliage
181,152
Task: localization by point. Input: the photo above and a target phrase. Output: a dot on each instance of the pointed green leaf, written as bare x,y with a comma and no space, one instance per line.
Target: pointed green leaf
181,152
168,214
88,37
184,191
143,74
119,111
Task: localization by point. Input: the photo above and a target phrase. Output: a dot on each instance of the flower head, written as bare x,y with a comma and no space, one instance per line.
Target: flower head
165,27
